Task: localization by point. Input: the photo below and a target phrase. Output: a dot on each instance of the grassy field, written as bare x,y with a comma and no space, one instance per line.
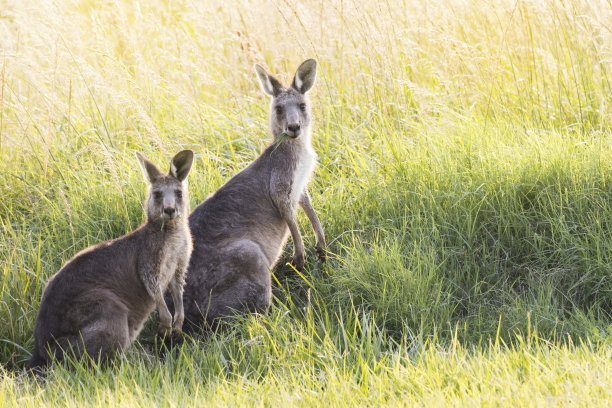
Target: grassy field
464,184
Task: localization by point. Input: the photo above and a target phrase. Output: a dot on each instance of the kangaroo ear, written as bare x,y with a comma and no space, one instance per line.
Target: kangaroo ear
150,171
305,76
181,164
269,84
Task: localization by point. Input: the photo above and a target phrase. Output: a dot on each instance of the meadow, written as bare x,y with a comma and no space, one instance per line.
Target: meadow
464,184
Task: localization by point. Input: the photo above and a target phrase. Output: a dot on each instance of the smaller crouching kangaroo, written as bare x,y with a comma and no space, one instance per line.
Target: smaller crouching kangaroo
98,302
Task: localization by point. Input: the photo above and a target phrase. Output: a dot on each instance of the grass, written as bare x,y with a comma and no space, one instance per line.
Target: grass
309,361
464,184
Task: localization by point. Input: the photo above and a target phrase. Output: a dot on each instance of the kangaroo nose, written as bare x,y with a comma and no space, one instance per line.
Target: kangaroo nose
169,211
294,127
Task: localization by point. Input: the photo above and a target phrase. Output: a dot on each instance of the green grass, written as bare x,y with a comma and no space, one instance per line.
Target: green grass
464,184
305,359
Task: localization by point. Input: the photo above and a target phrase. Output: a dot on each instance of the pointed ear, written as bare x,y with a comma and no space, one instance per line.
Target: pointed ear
269,84
181,164
305,76
150,171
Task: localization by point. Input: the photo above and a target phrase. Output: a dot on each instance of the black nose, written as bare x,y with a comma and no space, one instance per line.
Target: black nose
294,127
169,211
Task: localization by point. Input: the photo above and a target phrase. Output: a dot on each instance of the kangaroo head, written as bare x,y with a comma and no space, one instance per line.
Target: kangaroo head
167,198
290,109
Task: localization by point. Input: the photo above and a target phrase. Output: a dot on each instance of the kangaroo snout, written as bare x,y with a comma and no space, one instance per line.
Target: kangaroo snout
293,130
169,212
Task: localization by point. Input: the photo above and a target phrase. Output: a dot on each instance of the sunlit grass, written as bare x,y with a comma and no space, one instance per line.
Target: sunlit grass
310,361
464,184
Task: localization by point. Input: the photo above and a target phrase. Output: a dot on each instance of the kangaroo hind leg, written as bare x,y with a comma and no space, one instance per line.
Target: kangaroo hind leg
246,285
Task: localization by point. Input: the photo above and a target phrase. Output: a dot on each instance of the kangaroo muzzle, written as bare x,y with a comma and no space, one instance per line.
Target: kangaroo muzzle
169,208
170,212
294,130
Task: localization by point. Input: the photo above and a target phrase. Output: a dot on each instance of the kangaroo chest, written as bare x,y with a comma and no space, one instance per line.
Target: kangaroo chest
164,261
301,174
174,252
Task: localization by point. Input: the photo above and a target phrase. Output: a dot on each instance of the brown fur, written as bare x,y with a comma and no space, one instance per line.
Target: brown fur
240,230
98,302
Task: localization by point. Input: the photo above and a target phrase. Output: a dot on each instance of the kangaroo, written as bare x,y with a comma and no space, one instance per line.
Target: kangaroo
99,300
240,230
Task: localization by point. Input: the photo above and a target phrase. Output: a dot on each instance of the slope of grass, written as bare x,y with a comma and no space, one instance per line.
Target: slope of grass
464,184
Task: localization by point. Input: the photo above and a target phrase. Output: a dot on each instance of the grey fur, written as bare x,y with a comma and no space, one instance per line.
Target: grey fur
99,300
240,230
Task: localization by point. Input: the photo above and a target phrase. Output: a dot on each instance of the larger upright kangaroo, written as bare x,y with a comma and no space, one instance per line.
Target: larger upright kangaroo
240,230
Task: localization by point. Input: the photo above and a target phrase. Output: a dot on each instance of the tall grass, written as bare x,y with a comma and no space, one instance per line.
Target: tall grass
464,184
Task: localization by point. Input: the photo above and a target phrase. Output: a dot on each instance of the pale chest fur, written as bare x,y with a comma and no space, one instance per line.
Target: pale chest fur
175,254
303,170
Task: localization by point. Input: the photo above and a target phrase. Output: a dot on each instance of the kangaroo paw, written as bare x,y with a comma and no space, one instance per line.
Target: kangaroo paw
298,261
321,253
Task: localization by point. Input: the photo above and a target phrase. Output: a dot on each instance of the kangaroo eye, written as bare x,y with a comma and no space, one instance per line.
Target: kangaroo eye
157,195
179,193
302,107
279,110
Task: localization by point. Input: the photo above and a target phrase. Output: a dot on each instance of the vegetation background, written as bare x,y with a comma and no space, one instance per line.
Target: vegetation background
464,183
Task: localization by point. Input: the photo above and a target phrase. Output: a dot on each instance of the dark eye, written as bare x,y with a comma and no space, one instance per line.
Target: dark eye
157,195
179,193
279,110
303,107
